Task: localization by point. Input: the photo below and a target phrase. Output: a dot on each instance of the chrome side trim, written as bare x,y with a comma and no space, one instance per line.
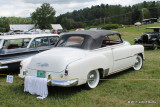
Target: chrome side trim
3,67
12,61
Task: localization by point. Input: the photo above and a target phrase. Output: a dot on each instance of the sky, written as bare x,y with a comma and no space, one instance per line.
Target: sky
23,8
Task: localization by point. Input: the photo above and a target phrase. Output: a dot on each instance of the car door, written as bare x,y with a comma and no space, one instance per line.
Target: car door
122,53
108,57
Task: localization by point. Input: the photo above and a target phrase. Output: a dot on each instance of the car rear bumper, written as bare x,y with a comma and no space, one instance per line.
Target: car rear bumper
60,83
63,83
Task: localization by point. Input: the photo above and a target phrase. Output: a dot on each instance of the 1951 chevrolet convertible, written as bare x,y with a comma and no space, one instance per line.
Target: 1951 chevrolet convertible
82,57
15,48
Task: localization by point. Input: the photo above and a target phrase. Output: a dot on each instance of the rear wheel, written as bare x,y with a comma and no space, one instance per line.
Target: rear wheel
92,79
155,46
138,63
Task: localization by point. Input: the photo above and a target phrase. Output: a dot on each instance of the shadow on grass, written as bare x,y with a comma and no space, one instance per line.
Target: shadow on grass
64,92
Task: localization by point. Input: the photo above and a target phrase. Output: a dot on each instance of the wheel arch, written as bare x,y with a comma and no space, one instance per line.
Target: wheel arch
142,55
103,72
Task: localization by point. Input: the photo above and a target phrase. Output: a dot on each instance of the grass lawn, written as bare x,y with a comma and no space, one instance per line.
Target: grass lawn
108,93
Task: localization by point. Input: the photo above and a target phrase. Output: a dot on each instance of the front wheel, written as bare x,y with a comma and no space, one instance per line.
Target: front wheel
138,63
155,46
92,79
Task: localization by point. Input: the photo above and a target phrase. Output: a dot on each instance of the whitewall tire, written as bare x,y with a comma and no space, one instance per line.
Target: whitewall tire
138,63
92,79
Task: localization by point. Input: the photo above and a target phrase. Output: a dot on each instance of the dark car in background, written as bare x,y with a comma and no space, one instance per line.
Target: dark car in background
150,39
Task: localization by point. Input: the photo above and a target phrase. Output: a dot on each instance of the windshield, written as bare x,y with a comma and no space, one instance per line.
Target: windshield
72,41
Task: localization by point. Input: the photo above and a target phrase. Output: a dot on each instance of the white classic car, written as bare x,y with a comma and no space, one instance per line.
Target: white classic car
82,57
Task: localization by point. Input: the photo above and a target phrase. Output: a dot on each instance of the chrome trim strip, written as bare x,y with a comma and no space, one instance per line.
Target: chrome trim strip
124,58
3,67
12,61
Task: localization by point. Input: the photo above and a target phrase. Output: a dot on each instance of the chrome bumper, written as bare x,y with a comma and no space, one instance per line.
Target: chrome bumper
21,76
60,83
63,83
3,67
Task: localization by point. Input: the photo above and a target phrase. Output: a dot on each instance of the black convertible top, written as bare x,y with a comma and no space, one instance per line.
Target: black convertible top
94,33
93,38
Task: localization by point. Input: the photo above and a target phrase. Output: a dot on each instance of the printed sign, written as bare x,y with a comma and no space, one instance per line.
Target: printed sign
9,79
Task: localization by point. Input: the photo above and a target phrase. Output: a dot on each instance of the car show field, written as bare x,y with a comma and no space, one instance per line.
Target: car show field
127,88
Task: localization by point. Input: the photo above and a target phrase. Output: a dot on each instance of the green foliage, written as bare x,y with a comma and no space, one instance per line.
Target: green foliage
110,14
5,21
146,13
110,26
71,24
44,16
2,29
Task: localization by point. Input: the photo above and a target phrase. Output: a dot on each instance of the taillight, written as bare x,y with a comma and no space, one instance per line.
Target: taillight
66,72
20,67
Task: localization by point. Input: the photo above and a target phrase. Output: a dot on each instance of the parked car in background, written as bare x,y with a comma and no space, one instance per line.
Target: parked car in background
95,28
82,57
15,48
33,31
1,33
150,39
79,29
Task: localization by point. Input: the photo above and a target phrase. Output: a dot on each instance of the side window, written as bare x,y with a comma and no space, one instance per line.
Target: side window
53,40
39,42
42,41
111,40
25,42
16,43
33,44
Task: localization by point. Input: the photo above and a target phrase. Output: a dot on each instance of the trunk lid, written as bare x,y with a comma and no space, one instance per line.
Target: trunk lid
56,59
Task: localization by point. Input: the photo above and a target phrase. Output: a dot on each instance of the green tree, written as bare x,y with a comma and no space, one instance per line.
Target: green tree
145,13
44,16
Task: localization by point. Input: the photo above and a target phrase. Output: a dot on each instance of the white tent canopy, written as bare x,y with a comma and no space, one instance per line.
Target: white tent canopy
56,26
27,27
21,27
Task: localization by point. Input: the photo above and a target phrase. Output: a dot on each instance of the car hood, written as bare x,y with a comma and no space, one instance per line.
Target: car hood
56,59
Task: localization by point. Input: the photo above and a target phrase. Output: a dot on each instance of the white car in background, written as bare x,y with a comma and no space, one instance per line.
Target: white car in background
15,48
82,57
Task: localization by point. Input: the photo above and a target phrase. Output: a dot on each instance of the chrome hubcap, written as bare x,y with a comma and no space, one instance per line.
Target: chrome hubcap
92,78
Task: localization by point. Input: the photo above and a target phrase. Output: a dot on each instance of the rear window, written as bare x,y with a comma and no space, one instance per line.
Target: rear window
72,41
